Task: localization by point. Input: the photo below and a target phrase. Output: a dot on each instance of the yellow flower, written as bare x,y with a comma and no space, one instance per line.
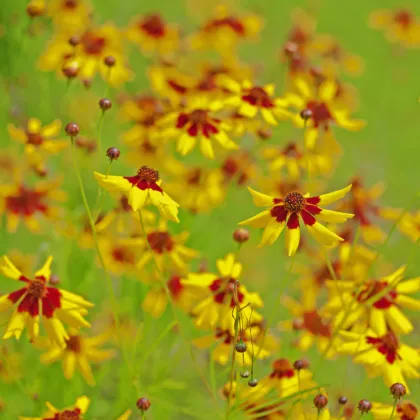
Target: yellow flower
75,411
287,211
153,34
383,355
249,99
141,190
10,365
384,311
39,141
322,108
214,296
78,352
30,204
410,225
37,301
88,56
404,410
239,168
197,122
69,16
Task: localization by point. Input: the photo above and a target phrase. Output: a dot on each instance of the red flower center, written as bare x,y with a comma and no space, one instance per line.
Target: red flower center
232,167
225,334
123,255
175,286
313,322
294,202
148,174
374,287
74,344
34,138
257,96
292,151
70,4
407,411
282,368
154,26
194,176
26,202
36,289
68,415
387,345
160,242
92,44
198,121
228,22
320,113
223,288
404,18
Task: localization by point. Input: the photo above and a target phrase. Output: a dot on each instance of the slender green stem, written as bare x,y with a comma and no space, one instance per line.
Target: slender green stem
99,140
393,409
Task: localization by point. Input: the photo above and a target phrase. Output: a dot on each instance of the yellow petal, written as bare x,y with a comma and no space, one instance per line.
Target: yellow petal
51,130
292,240
310,137
334,216
16,325
206,148
271,232
397,321
323,235
83,403
409,286
259,199
327,90
69,364
17,133
8,269
45,271
114,184
334,196
137,198
34,125
259,221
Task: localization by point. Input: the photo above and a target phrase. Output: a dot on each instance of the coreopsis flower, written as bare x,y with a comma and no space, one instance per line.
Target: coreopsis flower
78,353
198,122
384,310
288,210
73,412
410,225
404,410
363,203
223,31
69,16
88,56
143,109
141,190
322,109
260,348
165,249
196,188
32,204
39,141
239,168
314,327
156,300
284,379
214,294
38,302
400,26
153,35
250,99
383,355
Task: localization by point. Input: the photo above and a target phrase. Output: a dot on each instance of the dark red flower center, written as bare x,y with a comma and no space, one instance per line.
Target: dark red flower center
223,288
404,18
36,288
175,286
146,178
160,242
321,115
257,96
294,202
299,36
74,344
92,44
148,174
177,87
74,414
34,138
194,176
313,322
154,26
198,121
26,202
232,167
407,411
70,4
292,151
374,287
228,22
124,206
282,368
387,345
123,255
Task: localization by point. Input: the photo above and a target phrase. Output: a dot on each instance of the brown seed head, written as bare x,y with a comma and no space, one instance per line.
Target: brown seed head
299,364
240,235
398,390
72,129
148,174
294,202
143,404
110,61
342,400
305,114
105,104
113,153
364,406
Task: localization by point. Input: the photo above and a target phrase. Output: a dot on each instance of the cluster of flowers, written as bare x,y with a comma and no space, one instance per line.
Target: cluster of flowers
223,110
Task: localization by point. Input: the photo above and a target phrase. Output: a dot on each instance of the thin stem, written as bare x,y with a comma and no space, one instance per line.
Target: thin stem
393,409
308,174
99,140
333,275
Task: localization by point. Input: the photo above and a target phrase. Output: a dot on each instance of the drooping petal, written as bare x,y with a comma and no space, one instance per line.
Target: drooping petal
8,269
259,221
323,235
333,196
52,129
331,216
114,184
259,199
271,232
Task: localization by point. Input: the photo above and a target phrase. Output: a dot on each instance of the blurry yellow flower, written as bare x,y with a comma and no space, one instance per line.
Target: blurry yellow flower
239,168
287,211
153,34
78,353
404,410
75,411
410,225
383,355
69,16
10,365
141,190
39,141
35,8
37,301
125,416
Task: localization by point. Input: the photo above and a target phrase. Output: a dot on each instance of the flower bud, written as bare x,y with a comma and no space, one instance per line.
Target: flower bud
72,129
143,403
253,382
364,406
240,347
245,374
54,279
342,400
305,114
290,48
398,390
113,153
110,61
299,364
240,235
105,104
70,71
320,401
74,40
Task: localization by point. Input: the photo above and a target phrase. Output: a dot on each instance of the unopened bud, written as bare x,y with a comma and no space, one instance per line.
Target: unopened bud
74,40
143,404
240,347
245,374
342,400
253,382
110,61
305,114
320,401
105,104
113,153
241,235
398,390
72,129
364,406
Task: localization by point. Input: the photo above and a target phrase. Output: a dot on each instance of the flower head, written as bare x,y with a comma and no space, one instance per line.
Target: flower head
288,210
403,411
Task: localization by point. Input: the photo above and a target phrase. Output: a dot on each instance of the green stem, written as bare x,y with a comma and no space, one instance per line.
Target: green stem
393,409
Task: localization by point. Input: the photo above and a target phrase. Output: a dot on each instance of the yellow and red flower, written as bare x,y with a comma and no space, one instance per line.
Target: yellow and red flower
69,16
239,168
153,35
38,300
141,190
404,410
78,352
73,412
287,211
